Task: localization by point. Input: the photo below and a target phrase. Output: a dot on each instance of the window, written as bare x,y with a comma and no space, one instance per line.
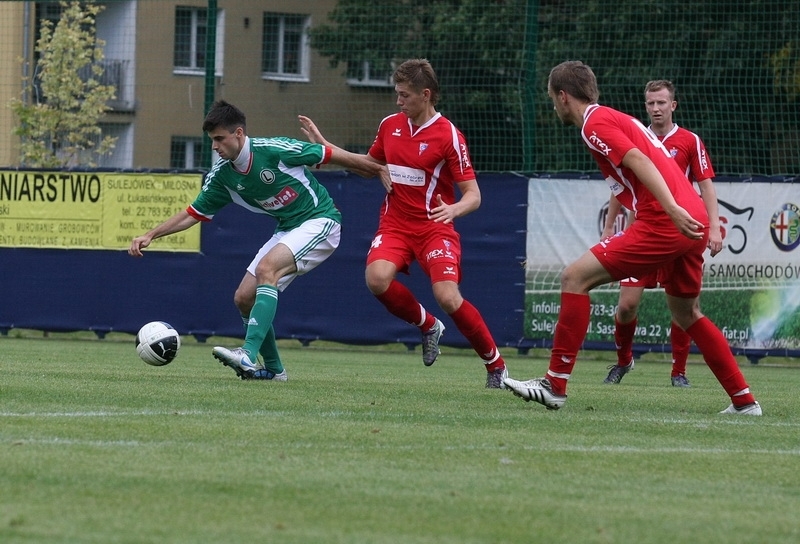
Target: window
191,31
186,153
190,38
362,74
285,47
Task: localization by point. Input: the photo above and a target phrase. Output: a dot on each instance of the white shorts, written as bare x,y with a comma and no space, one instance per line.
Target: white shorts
310,243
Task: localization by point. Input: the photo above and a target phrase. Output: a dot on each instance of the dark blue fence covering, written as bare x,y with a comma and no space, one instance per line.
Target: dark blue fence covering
103,291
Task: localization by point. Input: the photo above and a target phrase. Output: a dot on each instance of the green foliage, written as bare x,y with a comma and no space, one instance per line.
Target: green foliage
711,51
371,446
60,128
785,64
735,65
474,47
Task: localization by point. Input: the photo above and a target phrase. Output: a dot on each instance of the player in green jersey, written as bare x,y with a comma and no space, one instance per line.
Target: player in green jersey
268,176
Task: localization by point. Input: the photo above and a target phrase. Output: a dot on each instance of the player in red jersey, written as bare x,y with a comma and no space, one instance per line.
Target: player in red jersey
688,150
427,158
670,233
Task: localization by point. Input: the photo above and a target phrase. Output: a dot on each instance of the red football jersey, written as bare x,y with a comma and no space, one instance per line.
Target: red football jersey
610,134
689,152
423,162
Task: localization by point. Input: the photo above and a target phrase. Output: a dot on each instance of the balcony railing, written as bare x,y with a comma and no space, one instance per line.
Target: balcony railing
115,73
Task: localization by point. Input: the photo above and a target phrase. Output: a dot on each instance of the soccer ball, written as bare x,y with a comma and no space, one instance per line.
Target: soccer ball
157,343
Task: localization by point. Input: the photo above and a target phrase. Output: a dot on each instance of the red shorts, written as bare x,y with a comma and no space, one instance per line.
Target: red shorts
437,249
664,255
650,281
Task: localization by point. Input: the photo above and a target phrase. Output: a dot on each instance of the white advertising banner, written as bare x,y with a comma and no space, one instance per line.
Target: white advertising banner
751,289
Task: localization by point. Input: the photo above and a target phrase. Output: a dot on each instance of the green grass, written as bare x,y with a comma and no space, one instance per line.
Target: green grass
369,446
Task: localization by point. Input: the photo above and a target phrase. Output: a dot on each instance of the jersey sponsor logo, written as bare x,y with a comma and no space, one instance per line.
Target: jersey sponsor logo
465,162
601,146
785,227
282,199
267,176
703,160
439,253
435,254
449,271
397,132
406,176
615,186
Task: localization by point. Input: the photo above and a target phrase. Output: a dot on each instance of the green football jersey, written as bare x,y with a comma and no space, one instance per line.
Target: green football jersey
277,183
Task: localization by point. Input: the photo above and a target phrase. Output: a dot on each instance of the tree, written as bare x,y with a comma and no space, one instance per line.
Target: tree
735,65
474,46
717,53
60,128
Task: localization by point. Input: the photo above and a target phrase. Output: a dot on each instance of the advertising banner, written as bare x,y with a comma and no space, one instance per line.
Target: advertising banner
93,210
332,303
751,289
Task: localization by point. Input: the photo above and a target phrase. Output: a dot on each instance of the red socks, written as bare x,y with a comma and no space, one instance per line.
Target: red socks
402,303
573,320
681,343
623,338
720,360
471,324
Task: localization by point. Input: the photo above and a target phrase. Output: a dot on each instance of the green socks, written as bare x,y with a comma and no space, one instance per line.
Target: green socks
260,332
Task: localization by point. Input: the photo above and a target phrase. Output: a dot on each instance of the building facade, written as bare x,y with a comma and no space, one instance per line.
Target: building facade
155,57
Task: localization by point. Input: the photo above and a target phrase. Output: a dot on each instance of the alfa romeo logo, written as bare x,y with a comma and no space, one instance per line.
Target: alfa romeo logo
785,227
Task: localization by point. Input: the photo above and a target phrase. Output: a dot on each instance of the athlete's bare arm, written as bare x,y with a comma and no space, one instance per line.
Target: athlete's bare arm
469,202
363,165
614,207
709,195
178,222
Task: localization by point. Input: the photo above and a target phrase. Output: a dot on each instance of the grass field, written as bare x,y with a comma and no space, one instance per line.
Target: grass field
369,446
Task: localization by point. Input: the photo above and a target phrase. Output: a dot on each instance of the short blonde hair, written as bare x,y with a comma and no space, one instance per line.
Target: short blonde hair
576,79
657,85
419,74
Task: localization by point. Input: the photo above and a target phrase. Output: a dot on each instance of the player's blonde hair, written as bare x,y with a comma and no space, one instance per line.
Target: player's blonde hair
419,75
657,85
576,79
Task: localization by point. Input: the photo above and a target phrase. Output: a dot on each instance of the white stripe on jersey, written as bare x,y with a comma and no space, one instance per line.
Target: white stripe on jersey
650,136
457,147
698,151
299,173
278,143
237,199
432,187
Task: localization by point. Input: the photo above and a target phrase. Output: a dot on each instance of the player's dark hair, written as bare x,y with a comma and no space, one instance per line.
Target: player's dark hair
657,85
225,115
419,74
576,79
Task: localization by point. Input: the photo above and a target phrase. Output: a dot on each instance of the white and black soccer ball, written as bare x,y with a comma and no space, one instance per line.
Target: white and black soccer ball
157,343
